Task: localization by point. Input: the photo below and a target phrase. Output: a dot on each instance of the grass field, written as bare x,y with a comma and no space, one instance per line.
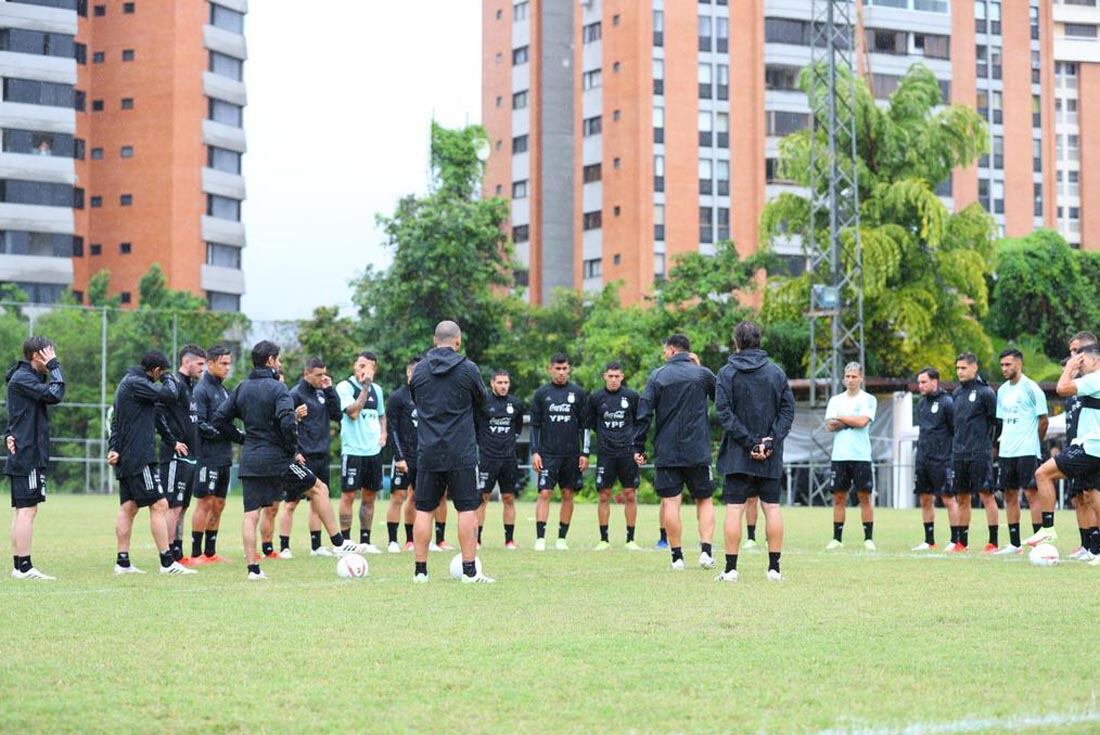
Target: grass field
566,642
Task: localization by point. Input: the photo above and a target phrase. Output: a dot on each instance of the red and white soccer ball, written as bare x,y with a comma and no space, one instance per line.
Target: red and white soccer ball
351,566
456,566
1043,555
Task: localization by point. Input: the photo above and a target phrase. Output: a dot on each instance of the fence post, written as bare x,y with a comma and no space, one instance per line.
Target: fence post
103,428
175,336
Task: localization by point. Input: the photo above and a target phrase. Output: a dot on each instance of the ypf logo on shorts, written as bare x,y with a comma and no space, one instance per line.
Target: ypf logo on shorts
482,481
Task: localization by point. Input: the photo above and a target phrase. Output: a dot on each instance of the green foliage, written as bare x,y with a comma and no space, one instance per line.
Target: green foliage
454,160
329,336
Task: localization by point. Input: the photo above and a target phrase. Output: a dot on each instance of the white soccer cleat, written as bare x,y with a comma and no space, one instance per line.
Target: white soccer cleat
1086,557
773,576
1007,550
1077,553
869,545
177,568
349,547
540,544
478,578
321,551
561,545
1095,562
286,554
31,573
420,579
706,561
369,549
678,565
394,547
254,576
923,546
1042,536
127,570
730,576
833,545
749,544
433,546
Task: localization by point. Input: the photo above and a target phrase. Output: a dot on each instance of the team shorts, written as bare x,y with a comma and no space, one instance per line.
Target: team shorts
177,477
932,478
360,473
563,472
461,485
28,490
852,475
404,480
1017,473
263,492
739,488
318,465
212,481
143,489
502,472
1082,468
669,482
623,470
972,476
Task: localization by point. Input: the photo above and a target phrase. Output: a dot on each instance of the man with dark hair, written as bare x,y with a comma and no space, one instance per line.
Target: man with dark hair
499,424
448,392
676,398
1022,411
849,416
932,463
975,420
133,453
179,430
756,409
1084,496
362,436
272,467
215,457
316,405
34,384
401,421
612,413
557,431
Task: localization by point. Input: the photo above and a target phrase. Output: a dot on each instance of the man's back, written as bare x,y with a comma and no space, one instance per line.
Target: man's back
265,407
133,424
754,401
447,390
676,398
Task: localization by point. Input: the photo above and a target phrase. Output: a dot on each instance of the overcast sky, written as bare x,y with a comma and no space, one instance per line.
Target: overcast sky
341,94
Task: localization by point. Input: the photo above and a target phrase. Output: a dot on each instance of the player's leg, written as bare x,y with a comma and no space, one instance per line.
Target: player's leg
867,517
630,515
951,502
22,532
482,507
565,517
704,515
1034,507
440,543
464,492
321,506
840,503
366,515
1045,477
989,502
409,518
670,515
248,534
732,538
773,520
548,478
752,506
393,516
603,517
267,530
285,522
1012,515
427,497
124,525
965,506
158,525
199,518
213,525
927,501
1091,500
508,516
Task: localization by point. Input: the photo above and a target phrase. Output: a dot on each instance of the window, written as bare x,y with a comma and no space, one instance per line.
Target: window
659,266
519,55
658,173
658,28
592,32
706,176
658,76
1038,210
223,256
521,233
519,100
78,100
97,105
97,154
80,53
780,122
781,77
882,41
616,114
99,11
519,144
42,244
40,93
128,104
126,151
723,79
96,202
125,297
932,46
658,125
500,100
592,79
125,248
593,268
722,172
1080,30
18,191
223,159
519,189
128,8
723,223
722,26
99,57
592,126
616,210
95,249
78,198
125,200
520,11
39,144
593,220
658,222
127,54
706,80
784,30
226,66
706,128
226,112
706,224
722,129
592,173
223,207
78,247
884,85
226,19
705,32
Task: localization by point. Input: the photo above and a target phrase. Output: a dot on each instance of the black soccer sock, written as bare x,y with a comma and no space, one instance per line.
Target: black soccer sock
253,568
706,549
123,559
1084,533
677,554
364,535
868,530
440,532
509,532
346,532
838,531
930,533
420,567
314,540
1014,534
752,532
954,534
1035,527
15,560
196,543
540,529
408,533
629,534
284,543
267,548
469,568
664,534
337,540
964,536
391,531
166,558
563,530
993,535
773,561
176,547
479,529
1048,520
1094,540
731,562
210,543
603,533
24,564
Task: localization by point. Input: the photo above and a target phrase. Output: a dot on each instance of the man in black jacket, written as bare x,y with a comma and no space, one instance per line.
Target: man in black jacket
271,465
179,428
932,464
215,457
448,392
756,409
499,425
401,420
34,383
612,412
133,454
676,398
975,421
316,407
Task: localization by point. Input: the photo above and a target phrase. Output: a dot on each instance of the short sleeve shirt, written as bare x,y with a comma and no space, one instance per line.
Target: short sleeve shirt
1088,425
852,445
1019,408
361,436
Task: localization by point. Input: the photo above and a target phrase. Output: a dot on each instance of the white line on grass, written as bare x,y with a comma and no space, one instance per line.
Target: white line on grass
973,724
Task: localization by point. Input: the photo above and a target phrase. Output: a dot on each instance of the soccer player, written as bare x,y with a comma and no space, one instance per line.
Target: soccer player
401,422
975,420
612,413
557,429
849,416
1084,506
215,457
34,384
448,392
676,399
499,424
1022,411
179,430
755,407
932,470
272,467
132,452
362,436
315,406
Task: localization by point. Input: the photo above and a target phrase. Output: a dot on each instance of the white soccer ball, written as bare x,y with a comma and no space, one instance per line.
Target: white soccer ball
456,565
351,566
1043,555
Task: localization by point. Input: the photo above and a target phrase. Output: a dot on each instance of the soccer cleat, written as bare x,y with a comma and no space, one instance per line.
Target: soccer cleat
955,548
1087,557
409,546
924,546
177,568
833,545
1077,553
350,547
869,545
394,547
321,551
730,576
191,561
272,555
286,554
773,576
632,546
1095,562
433,546
217,559
602,546
540,544
662,544
420,579
678,565
478,578
749,544
444,546
253,576
561,545
127,570
989,549
1043,535
31,573
706,561
369,549
511,545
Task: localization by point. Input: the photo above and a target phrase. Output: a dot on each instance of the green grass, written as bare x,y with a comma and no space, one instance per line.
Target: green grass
564,643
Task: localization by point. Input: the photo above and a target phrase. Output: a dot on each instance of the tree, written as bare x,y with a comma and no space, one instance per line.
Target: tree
924,268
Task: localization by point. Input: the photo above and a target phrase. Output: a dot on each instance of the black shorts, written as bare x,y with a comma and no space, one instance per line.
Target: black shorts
623,470
142,489
212,481
932,478
972,476
404,480
739,488
318,464
360,473
563,472
1017,473
669,482
263,492
852,475
502,472
178,480
28,490
461,485
1082,468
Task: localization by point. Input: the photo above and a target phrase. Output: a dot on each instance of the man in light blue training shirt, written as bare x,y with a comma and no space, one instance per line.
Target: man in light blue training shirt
362,436
849,416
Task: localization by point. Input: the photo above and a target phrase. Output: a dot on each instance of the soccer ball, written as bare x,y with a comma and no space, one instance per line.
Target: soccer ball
456,565
1043,555
351,566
